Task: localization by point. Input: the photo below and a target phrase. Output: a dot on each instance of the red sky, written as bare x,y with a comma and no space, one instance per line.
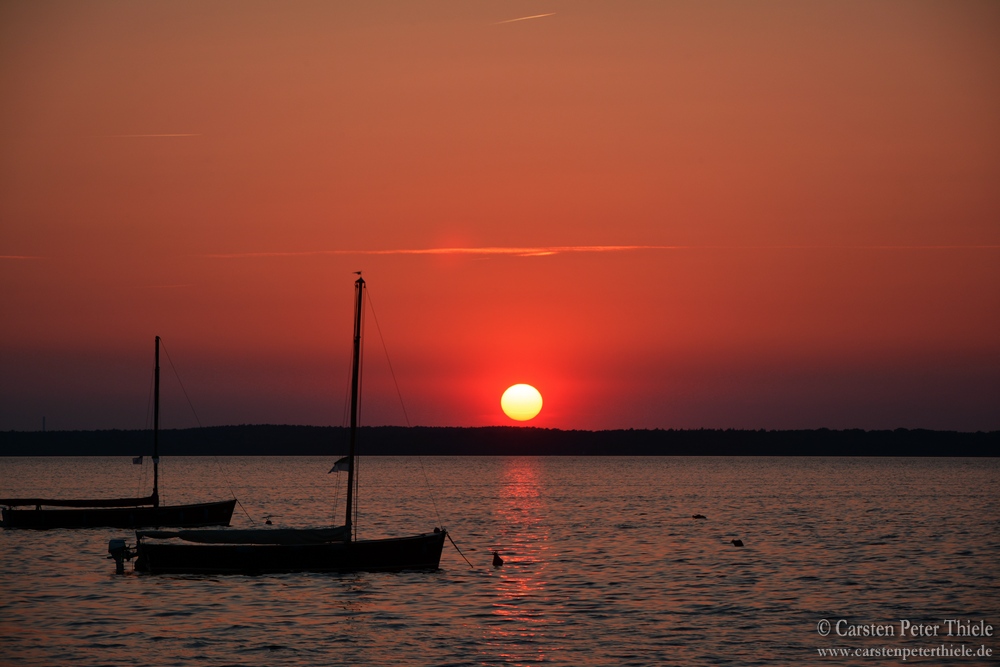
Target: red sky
808,192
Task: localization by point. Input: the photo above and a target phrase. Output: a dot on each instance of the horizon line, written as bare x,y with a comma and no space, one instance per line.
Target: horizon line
523,426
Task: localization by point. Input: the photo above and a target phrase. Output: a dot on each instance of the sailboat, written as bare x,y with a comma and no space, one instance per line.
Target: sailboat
118,512
277,550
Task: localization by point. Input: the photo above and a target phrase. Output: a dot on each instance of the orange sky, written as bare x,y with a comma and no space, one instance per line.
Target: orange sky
809,192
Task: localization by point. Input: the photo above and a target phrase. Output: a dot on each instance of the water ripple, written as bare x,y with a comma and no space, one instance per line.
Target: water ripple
604,564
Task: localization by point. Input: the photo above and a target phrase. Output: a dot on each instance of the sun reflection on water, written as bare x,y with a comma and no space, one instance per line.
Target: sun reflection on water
516,631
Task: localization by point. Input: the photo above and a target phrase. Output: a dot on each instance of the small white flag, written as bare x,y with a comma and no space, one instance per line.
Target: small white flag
342,464
137,460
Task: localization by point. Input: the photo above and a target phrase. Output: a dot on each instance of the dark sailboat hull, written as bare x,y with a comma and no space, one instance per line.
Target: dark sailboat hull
174,516
419,552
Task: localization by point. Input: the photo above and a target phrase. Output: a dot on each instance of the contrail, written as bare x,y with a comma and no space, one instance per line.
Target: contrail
19,257
525,18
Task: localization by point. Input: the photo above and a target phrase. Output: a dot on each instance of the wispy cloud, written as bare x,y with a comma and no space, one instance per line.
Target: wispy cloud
133,136
531,251
166,286
851,247
525,18
546,251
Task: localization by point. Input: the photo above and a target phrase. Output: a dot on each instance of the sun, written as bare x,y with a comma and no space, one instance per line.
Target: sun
521,402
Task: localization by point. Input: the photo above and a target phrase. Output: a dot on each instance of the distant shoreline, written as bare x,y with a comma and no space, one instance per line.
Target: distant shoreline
278,440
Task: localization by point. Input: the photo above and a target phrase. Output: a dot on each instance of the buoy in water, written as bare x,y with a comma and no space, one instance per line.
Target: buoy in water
497,561
737,543
698,516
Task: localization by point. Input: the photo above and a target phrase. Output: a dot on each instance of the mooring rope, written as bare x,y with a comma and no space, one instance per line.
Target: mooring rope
448,535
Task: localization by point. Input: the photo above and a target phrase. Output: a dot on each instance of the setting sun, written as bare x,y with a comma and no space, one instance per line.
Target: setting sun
521,402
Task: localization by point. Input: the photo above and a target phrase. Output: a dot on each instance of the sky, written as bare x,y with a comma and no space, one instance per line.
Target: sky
680,214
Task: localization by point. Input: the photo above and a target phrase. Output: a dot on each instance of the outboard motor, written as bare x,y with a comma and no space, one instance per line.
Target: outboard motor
120,552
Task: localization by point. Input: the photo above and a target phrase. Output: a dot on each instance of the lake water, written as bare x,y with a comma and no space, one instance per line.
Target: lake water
604,564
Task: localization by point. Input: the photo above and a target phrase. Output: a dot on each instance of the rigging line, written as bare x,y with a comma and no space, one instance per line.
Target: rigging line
344,424
430,490
140,491
149,398
336,498
198,421
347,390
146,425
345,436
420,459
345,440
388,360
176,375
347,398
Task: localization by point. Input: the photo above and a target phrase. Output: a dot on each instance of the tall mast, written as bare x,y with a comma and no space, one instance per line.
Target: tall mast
156,428
359,286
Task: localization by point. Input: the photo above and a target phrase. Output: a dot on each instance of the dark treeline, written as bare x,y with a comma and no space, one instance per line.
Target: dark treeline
269,440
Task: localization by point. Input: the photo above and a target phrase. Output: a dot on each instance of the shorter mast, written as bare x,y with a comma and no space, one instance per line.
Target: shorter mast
156,428
359,286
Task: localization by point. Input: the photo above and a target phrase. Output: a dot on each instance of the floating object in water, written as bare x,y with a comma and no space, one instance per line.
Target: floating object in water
737,543
497,561
698,516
